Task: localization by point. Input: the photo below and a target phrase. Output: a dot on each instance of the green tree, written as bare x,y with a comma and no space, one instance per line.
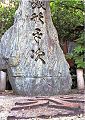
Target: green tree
7,15
68,18
67,15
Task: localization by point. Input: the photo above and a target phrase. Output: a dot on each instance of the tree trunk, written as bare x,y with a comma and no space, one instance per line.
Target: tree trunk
80,79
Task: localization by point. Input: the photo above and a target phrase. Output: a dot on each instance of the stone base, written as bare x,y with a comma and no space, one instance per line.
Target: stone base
41,86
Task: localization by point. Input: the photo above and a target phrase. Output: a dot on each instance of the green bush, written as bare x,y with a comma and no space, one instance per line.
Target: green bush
7,15
78,53
68,18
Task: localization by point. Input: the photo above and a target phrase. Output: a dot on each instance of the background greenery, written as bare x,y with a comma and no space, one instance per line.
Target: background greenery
7,15
68,18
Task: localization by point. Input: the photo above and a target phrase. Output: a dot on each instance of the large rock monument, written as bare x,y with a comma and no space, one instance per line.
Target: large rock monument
31,53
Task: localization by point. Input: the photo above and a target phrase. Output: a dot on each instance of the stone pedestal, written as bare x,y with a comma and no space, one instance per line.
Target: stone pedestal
2,81
35,60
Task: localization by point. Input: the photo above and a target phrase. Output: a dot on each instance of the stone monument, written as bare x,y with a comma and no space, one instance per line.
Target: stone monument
30,49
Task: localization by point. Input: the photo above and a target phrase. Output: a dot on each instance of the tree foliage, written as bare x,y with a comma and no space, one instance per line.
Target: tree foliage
7,15
67,15
68,18
78,53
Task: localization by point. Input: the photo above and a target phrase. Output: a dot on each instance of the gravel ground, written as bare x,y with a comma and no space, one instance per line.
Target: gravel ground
8,100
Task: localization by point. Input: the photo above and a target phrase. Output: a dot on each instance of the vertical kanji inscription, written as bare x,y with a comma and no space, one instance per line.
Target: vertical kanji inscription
38,17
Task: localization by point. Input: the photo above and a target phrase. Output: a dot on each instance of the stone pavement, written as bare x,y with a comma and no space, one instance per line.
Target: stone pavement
45,107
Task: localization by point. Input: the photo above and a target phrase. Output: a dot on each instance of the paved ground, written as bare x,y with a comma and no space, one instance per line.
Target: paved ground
60,107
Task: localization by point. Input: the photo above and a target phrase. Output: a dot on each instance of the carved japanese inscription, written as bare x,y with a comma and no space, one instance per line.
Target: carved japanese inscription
38,55
38,4
38,33
36,17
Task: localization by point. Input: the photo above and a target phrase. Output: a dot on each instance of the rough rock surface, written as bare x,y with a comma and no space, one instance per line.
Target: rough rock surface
35,62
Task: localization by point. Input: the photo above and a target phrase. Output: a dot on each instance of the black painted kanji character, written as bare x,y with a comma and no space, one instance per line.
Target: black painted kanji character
39,16
38,4
39,54
37,35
